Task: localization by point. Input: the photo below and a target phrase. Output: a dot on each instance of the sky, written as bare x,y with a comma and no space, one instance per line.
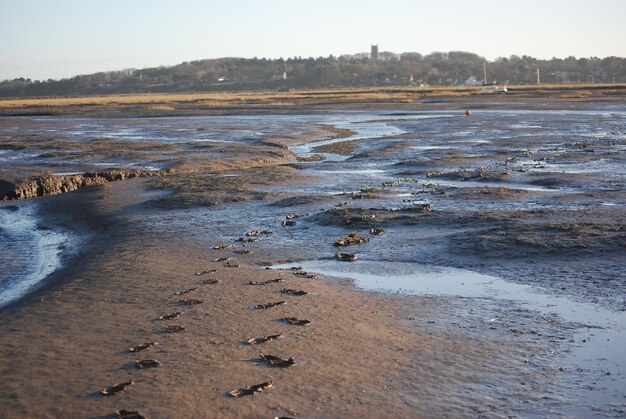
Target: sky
43,39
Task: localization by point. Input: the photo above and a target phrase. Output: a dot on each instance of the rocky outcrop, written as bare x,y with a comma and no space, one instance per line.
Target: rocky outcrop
53,185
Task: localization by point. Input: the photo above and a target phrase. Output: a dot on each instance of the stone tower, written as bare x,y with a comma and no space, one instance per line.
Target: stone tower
374,53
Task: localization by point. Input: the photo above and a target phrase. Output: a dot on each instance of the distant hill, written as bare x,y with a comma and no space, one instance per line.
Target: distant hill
438,68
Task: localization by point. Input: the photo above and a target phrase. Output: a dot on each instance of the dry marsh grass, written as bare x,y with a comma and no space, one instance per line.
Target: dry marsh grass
399,94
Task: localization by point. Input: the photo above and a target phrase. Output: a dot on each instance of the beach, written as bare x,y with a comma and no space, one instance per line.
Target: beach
232,220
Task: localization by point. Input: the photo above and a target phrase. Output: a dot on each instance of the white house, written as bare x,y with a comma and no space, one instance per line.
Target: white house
472,81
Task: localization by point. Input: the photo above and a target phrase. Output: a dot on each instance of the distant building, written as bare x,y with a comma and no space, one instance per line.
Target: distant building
280,76
473,81
374,53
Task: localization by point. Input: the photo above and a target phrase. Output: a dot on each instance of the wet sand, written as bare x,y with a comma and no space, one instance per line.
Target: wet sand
359,356
364,354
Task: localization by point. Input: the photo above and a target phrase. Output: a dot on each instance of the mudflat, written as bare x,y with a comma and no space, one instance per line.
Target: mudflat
213,257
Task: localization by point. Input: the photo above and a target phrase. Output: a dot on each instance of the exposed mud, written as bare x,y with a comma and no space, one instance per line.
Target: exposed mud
504,234
344,148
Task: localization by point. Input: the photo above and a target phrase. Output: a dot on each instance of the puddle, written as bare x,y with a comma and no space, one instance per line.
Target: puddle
525,126
370,131
208,140
416,279
352,172
430,147
601,333
107,164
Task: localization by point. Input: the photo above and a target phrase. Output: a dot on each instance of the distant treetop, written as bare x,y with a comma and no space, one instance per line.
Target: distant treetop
388,68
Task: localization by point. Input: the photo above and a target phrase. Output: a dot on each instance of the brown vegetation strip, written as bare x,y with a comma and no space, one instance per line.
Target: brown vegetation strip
269,97
53,185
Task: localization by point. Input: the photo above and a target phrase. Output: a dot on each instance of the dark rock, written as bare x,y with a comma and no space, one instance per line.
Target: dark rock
293,292
129,414
170,316
275,361
248,391
147,363
109,391
350,239
191,301
269,305
173,329
264,339
347,257
141,347
269,281
296,321
186,291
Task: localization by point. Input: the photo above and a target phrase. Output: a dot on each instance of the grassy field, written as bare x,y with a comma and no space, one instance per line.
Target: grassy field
158,103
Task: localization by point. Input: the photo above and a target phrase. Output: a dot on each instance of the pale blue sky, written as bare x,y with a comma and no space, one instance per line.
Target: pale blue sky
44,39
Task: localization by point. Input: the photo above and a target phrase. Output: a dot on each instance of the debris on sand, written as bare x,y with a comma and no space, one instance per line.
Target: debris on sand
269,281
210,281
222,259
264,339
288,223
350,239
186,291
347,257
173,329
191,301
223,246
247,240
147,363
170,316
364,218
276,361
305,274
231,265
256,233
129,414
293,292
296,321
211,271
421,207
377,231
109,391
141,347
250,390
269,305
243,252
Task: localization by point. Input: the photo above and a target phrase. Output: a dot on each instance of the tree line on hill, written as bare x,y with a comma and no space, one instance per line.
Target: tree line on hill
411,68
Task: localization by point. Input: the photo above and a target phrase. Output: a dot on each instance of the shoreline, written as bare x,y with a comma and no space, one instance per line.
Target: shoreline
54,185
85,333
73,218
42,259
363,352
63,297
